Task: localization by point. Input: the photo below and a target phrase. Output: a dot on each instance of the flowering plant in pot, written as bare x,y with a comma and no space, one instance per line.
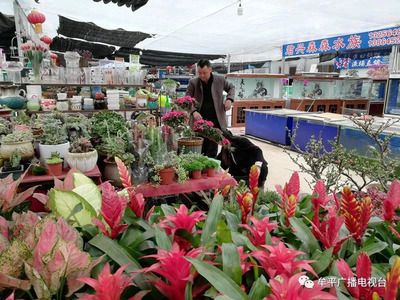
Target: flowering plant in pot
175,119
54,164
35,53
206,129
185,103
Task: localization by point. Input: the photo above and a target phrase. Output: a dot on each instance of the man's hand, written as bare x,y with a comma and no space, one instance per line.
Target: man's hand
197,116
228,105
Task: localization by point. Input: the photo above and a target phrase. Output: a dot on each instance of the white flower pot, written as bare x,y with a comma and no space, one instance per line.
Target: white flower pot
84,162
46,150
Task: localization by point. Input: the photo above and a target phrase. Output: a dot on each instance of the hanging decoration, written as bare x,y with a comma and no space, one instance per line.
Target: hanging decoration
46,39
37,19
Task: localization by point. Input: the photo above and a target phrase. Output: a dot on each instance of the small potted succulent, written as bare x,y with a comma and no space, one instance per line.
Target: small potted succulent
13,166
82,155
36,168
18,140
54,164
165,171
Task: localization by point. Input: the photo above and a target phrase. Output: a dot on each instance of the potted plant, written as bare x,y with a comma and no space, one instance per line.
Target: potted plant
18,140
36,168
194,168
53,139
13,166
5,126
82,155
170,86
165,170
115,146
186,103
77,125
210,165
54,164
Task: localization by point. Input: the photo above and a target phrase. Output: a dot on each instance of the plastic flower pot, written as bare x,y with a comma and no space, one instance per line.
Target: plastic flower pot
55,169
196,174
167,176
210,172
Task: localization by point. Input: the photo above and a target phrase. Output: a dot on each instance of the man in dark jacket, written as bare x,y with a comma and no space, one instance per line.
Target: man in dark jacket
208,90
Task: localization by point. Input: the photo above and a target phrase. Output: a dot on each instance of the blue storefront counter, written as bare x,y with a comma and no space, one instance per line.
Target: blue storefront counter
271,125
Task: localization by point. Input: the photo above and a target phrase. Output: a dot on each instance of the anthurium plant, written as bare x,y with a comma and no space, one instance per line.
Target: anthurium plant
101,243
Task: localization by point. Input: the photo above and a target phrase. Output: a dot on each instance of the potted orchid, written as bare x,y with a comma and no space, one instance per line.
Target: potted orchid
35,53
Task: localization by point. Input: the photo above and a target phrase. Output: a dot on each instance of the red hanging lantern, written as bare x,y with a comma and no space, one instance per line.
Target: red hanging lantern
46,39
53,55
36,18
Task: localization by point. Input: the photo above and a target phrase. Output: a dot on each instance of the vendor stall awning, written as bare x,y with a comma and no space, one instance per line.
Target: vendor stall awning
161,58
92,32
133,4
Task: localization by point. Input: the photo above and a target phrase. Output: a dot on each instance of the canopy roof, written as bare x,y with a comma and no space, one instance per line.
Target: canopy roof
214,27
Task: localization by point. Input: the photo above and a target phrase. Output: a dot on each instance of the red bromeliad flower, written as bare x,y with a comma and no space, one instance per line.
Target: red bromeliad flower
328,231
280,260
258,230
392,201
288,288
392,283
363,274
182,220
319,199
112,210
289,196
245,201
175,270
245,264
253,183
356,213
108,286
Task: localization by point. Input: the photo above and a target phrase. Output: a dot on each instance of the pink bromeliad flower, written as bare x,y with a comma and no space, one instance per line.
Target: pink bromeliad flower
108,286
174,270
258,230
281,260
183,219
288,288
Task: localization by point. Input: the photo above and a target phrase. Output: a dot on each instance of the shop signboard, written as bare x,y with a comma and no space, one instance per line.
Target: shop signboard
362,59
365,40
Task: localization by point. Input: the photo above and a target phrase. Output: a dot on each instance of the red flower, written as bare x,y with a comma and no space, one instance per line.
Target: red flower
258,230
245,201
363,270
356,214
175,270
289,196
253,183
182,220
288,288
112,210
328,231
392,201
393,281
280,260
108,286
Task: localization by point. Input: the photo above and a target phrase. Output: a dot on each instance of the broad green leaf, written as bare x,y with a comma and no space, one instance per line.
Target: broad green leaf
167,210
233,220
63,203
223,297
188,291
260,289
218,279
304,234
323,260
210,226
162,239
120,256
242,240
231,262
92,195
223,233
369,249
81,179
76,209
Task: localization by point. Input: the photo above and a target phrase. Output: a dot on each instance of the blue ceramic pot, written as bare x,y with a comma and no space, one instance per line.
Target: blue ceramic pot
13,102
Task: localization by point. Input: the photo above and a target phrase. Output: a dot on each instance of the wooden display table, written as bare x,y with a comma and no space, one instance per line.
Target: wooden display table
238,113
29,178
219,181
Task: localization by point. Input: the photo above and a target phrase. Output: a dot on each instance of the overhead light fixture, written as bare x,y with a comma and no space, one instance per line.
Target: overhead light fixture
240,9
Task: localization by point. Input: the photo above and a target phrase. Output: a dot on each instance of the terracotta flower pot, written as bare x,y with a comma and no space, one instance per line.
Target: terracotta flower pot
196,174
210,172
55,169
167,176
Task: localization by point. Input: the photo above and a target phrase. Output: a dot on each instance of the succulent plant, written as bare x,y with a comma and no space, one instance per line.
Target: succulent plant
17,136
5,126
15,159
54,133
55,158
81,145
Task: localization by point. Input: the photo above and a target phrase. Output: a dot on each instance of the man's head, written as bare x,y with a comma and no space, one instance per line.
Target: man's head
204,69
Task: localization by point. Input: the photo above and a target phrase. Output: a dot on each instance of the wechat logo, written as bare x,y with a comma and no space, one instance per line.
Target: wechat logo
305,281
